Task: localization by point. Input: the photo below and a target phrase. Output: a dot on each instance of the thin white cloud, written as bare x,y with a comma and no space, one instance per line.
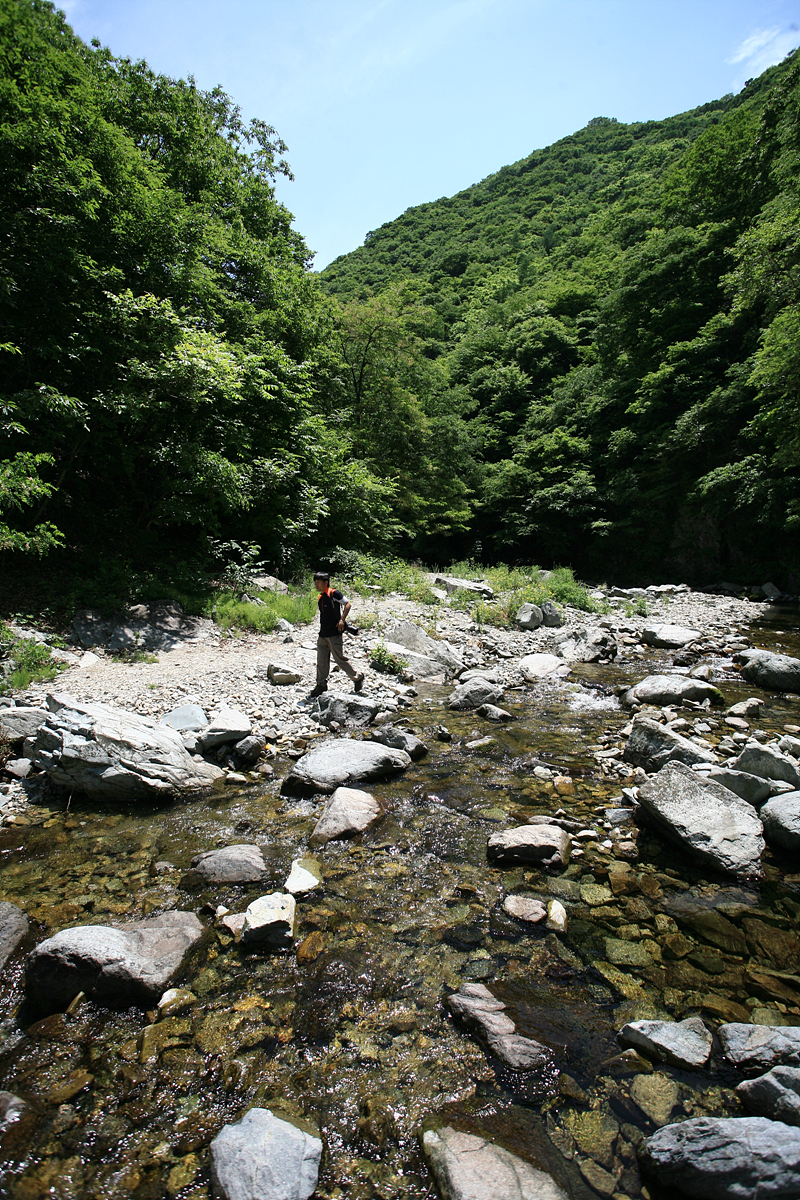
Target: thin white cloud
764,48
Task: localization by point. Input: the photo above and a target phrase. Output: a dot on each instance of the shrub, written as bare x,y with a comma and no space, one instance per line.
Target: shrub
32,662
384,661
231,613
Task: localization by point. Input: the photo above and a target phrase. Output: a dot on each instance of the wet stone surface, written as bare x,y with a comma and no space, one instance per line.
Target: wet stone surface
347,1029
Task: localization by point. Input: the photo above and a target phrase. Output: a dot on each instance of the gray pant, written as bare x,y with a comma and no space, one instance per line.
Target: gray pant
327,646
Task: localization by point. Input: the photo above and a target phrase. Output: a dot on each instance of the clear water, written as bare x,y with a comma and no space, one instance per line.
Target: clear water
357,1040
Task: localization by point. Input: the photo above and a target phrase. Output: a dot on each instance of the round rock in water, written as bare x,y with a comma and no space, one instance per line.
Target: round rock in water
230,864
348,812
539,666
524,908
547,845
776,672
725,1158
474,693
672,689
466,1167
264,1158
270,921
343,762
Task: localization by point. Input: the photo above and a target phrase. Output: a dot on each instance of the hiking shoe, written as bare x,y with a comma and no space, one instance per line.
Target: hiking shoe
319,689
358,683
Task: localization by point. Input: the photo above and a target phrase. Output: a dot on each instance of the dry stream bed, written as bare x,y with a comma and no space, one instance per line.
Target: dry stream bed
350,1031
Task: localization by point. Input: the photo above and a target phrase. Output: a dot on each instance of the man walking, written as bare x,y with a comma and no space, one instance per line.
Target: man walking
332,617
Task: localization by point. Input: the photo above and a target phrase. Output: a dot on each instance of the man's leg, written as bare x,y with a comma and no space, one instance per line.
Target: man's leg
337,650
323,661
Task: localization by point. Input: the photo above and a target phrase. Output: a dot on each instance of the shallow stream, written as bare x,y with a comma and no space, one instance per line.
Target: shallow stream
351,1034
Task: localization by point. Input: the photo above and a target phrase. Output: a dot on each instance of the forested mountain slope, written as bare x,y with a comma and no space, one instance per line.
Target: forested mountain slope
619,315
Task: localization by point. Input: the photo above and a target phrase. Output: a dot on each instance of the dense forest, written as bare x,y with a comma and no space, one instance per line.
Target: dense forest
591,357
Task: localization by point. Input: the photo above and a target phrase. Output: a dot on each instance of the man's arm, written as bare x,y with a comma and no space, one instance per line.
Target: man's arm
343,617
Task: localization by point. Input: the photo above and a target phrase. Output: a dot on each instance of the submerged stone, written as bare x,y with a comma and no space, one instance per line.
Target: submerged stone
467,1167
343,762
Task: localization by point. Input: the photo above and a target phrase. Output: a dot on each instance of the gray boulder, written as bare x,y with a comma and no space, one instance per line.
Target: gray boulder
725,1158
189,718
781,820
485,1016
669,637
685,1044
790,745
775,672
251,748
466,1167
551,617
18,768
401,739
767,763
672,689
304,877
539,666
13,928
264,1158
525,908
775,1095
116,966
529,616
451,584
546,845
757,1048
354,710
410,637
347,813
474,693
342,763
230,864
111,754
270,922
225,725
707,819
18,723
420,665
490,712
652,746
744,785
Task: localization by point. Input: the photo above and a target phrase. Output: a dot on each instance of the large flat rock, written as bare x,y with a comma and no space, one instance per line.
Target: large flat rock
672,689
264,1158
230,864
768,763
111,754
343,762
451,583
547,845
540,666
467,1167
485,1016
669,637
225,725
116,966
775,672
475,692
13,928
685,1044
18,723
725,1158
652,745
412,637
708,820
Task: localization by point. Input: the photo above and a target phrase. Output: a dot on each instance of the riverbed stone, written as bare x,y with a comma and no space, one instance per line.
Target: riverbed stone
116,966
525,908
747,787
225,725
546,845
304,877
768,763
490,712
656,1095
189,718
230,864
685,1044
13,929
725,1158
651,745
775,1095
410,636
343,762
452,583
111,754
20,722
474,693
467,1167
758,1048
672,689
781,820
626,954
540,666
270,922
707,819
775,672
330,707
485,1016
263,1157
669,637
401,739
348,812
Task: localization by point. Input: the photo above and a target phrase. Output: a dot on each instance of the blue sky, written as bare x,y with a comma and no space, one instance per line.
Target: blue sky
388,103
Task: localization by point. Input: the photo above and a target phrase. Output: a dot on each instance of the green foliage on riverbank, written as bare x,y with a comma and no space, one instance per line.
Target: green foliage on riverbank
29,662
589,357
230,612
